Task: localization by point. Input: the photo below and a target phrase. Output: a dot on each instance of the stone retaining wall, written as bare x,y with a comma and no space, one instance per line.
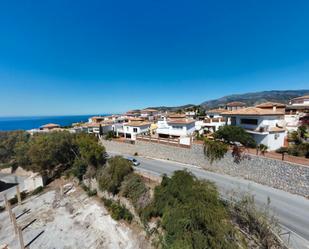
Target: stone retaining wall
287,176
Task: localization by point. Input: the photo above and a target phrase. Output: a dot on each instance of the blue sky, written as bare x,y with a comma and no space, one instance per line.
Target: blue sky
78,57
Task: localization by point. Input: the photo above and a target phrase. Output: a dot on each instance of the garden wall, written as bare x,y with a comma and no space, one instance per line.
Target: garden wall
287,176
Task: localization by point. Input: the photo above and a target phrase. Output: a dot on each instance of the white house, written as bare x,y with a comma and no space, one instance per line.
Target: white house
150,114
266,126
297,109
212,121
235,105
131,129
175,127
94,128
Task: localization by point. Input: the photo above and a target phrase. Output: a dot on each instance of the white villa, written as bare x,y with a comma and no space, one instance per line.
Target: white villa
214,119
297,109
236,105
266,126
133,128
174,127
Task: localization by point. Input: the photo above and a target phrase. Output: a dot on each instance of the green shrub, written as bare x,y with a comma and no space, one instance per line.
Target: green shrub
282,150
37,190
232,134
136,191
214,150
92,192
79,169
118,211
88,190
112,175
192,214
14,200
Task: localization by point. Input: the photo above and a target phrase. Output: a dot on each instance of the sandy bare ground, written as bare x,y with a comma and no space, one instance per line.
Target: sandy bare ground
73,221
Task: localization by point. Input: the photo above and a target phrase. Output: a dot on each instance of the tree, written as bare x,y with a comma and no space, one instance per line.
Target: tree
262,148
113,174
192,215
8,141
214,150
89,149
233,134
225,136
100,131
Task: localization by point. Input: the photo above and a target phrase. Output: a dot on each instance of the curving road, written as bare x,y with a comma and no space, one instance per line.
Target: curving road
291,210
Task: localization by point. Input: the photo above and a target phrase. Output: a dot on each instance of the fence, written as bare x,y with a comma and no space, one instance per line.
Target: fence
178,142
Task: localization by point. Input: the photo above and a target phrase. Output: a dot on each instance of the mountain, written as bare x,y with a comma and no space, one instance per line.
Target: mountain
250,99
172,108
255,98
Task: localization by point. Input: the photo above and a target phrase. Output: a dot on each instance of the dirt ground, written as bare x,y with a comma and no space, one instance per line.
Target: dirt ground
73,221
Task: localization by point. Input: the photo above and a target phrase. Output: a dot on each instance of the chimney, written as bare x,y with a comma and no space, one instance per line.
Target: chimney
274,108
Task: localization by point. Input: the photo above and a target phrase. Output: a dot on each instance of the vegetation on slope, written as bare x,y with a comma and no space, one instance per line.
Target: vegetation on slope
111,177
51,153
227,136
191,213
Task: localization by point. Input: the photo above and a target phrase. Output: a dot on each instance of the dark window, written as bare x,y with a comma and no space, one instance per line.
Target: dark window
134,129
248,121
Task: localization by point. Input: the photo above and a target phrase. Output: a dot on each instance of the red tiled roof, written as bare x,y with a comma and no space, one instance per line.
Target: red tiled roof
180,121
235,103
253,111
270,104
49,126
302,97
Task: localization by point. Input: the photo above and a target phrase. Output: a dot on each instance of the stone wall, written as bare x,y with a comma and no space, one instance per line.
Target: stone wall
290,177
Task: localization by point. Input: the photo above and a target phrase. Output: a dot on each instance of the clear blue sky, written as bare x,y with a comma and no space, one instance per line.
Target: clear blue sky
78,57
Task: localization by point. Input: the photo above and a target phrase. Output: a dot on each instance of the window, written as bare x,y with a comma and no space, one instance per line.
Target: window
177,127
135,130
249,121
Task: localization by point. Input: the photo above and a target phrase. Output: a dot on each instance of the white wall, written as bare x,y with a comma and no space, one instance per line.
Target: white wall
139,129
272,140
262,121
175,129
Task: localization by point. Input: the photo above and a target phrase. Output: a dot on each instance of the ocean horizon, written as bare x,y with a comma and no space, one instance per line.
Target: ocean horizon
11,123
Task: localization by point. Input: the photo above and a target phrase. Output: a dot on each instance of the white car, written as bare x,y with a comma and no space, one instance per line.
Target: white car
134,161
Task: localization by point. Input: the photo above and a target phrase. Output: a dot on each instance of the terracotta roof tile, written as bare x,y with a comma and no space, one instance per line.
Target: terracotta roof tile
302,97
253,111
137,123
270,104
235,103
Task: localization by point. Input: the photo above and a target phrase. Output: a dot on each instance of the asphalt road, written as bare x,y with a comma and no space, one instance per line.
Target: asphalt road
292,211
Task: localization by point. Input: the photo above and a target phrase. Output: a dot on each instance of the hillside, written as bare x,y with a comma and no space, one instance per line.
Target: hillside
256,98
250,99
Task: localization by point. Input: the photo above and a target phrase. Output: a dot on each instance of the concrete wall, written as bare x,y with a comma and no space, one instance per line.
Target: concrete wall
275,173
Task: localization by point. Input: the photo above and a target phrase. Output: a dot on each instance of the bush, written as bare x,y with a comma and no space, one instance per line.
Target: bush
14,200
136,191
256,222
79,169
118,211
282,150
214,150
112,175
192,214
92,192
110,135
135,154
37,190
232,134
88,190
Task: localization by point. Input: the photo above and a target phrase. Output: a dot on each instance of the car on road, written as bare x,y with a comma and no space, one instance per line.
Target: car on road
133,161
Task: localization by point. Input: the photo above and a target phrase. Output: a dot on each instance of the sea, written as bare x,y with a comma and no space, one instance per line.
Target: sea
28,123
